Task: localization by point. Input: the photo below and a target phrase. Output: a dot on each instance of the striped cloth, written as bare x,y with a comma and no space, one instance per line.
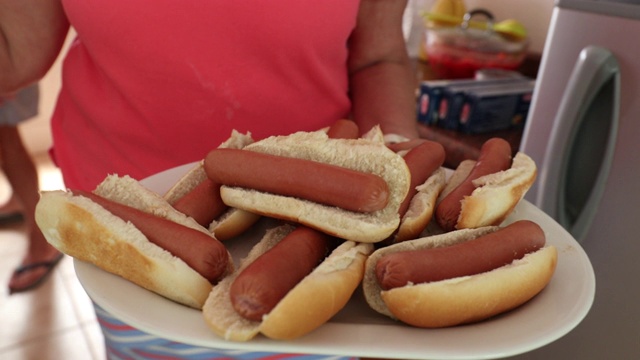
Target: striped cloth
124,342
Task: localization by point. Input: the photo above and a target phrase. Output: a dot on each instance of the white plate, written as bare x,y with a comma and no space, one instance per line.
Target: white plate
359,331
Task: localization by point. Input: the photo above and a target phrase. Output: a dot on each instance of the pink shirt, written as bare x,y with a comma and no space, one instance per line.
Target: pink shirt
152,84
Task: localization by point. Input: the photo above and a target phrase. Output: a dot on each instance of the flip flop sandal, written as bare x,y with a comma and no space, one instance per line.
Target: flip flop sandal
49,265
11,218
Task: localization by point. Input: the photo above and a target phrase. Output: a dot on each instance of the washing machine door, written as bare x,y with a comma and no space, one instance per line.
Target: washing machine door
578,156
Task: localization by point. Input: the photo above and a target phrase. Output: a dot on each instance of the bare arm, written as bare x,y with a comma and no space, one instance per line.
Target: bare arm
381,78
32,33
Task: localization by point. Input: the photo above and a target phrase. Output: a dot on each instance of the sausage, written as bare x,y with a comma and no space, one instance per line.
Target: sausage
422,160
201,252
203,203
344,129
471,257
262,284
495,156
319,182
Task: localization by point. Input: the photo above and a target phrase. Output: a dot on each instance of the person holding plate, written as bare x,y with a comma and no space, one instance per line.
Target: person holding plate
149,85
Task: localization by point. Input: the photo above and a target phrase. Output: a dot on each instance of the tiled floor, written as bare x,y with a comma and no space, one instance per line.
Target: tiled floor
55,321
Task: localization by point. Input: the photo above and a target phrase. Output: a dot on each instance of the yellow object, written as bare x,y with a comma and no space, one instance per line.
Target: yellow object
448,12
510,28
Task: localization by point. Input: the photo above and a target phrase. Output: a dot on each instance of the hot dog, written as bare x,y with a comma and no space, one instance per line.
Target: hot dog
332,185
203,203
310,299
132,232
472,257
264,282
424,160
490,191
463,276
368,221
457,177
495,156
199,197
200,251
195,195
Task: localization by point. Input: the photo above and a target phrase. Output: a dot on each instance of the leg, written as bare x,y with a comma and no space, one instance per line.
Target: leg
11,211
23,177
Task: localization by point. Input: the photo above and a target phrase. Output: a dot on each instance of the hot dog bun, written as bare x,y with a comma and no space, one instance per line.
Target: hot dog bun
463,299
232,222
365,155
457,176
318,297
421,208
81,228
496,195
197,174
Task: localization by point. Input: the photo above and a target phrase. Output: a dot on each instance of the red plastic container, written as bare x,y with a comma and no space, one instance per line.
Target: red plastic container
458,52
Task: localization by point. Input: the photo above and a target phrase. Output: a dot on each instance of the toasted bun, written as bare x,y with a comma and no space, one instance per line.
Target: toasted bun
234,221
359,154
316,299
464,299
421,208
86,231
496,195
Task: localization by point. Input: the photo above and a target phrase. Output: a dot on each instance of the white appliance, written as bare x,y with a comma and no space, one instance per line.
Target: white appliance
583,131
